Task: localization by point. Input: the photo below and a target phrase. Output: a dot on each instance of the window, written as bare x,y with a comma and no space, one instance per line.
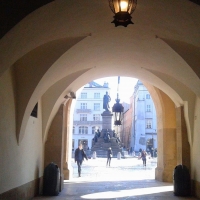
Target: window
148,123
97,95
93,129
83,95
96,106
83,106
96,117
73,130
83,130
148,108
34,112
83,117
147,96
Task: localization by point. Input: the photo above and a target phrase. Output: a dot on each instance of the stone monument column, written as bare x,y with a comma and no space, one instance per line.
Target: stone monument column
106,116
106,123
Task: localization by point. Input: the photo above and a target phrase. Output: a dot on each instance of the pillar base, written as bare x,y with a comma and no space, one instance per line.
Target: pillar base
61,182
68,172
195,188
164,175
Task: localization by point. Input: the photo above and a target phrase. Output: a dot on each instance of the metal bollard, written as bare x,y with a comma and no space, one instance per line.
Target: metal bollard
94,155
119,155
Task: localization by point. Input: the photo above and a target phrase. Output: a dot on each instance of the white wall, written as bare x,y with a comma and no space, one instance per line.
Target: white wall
195,148
18,164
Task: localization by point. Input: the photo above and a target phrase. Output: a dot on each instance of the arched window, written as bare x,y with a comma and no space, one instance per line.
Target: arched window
83,130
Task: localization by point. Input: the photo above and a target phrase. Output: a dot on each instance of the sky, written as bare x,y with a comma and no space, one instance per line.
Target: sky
126,87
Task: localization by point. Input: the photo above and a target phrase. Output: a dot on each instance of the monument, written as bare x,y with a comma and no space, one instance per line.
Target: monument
106,117
106,138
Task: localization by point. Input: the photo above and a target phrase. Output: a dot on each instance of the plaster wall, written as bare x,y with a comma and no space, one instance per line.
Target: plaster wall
195,147
22,163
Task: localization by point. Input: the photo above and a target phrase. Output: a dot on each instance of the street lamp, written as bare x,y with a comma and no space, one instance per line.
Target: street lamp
118,110
122,10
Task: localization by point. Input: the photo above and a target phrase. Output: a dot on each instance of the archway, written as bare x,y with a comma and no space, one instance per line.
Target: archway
168,134
60,56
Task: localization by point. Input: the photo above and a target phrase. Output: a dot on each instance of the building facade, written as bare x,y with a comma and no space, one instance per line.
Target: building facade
125,128
144,124
87,114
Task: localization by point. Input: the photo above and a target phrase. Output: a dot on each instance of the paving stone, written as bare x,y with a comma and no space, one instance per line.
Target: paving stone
125,179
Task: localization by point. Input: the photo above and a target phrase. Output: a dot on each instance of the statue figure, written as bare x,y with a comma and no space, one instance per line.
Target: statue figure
98,133
106,100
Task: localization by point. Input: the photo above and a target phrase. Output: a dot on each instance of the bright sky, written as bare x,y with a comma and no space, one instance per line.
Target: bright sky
126,87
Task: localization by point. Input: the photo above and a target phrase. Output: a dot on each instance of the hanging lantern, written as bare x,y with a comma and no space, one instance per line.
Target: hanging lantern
122,10
118,110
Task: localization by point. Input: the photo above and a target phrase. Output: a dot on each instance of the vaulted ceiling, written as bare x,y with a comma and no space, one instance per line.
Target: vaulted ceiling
12,11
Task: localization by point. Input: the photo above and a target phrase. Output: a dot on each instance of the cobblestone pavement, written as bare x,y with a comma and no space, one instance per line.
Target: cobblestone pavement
125,179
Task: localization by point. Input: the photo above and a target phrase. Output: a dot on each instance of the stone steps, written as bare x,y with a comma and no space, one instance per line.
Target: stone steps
100,147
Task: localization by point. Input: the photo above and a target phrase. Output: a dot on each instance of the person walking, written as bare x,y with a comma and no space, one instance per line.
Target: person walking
143,156
79,157
109,156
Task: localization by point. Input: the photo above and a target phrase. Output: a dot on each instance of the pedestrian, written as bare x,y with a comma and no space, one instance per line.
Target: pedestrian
109,156
79,157
143,156
131,150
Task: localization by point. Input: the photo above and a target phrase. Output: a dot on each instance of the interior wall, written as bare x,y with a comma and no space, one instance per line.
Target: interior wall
195,149
22,163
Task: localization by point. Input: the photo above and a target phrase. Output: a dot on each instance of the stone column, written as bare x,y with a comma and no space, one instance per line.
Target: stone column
167,150
67,168
183,147
107,122
54,143
166,154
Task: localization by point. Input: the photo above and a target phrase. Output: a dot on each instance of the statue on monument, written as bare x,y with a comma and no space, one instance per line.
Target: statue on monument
106,100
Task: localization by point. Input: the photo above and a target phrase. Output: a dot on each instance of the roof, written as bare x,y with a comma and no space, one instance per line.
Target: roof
93,84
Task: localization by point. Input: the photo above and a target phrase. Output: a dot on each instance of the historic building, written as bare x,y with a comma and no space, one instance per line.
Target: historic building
49,49
87,113
144,123
125,129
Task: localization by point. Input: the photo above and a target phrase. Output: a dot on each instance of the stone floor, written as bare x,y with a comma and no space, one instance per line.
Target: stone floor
125,179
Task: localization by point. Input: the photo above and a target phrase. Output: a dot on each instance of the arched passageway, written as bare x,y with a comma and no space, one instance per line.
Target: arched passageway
45,57
173,145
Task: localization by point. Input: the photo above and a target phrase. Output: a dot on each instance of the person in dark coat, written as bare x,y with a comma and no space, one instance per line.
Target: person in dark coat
109,156
143,156
79,157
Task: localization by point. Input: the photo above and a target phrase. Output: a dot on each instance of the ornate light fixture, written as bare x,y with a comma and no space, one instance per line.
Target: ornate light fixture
118,110
122,10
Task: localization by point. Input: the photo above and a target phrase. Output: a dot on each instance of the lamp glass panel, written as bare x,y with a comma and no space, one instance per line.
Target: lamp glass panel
124,6
116,6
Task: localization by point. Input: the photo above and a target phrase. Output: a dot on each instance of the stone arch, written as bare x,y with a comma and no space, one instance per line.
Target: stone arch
47,29
167,136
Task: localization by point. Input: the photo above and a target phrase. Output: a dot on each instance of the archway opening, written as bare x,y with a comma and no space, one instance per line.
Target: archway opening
130,138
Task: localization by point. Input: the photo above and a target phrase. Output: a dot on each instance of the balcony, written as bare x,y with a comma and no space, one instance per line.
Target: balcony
87,123
88,111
